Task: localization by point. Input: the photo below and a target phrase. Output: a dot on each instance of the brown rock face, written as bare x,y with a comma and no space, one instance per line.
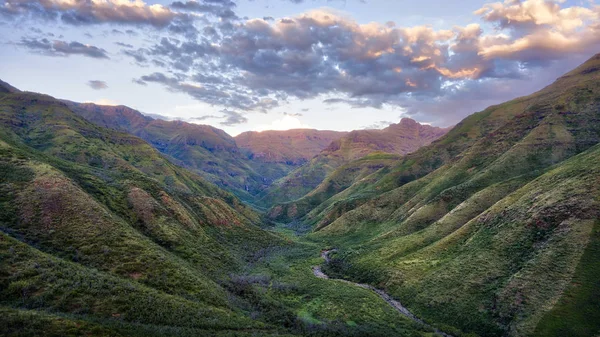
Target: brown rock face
402,138
291,147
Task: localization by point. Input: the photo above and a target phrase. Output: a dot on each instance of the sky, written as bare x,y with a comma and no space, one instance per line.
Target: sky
243,65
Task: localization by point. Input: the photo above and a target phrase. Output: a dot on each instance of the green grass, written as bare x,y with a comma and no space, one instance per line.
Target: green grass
577,312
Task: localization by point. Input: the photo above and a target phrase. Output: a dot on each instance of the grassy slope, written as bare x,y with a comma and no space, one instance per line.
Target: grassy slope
484,231
335,183
109,207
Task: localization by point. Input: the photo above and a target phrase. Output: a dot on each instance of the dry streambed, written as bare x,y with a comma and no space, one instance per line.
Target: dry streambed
385,296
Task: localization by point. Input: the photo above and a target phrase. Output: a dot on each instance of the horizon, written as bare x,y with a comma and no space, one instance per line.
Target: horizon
280,65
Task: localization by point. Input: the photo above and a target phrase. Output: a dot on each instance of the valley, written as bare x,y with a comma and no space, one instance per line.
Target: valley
318,272
114,223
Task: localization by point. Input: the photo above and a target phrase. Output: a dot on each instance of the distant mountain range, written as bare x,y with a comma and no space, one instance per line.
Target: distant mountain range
400,139
249,164
291,147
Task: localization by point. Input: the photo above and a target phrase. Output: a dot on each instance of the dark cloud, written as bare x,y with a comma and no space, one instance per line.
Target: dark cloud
124,45
97,85
62,48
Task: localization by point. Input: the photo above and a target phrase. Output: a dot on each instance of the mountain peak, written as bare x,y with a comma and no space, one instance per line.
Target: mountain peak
408,121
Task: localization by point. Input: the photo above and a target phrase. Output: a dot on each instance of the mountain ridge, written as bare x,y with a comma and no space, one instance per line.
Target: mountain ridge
399,139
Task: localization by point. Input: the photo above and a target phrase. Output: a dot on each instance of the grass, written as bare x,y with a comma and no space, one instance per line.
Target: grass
577,312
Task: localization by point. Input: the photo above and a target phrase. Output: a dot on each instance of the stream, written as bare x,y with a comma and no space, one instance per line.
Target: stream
385,296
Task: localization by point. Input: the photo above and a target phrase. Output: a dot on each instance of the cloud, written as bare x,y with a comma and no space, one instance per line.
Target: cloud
233,118
292,114
539,30
229,117
124,45
62,48
356,103
97,85
377,125
258,64
285,123
219,8
82,12
213,94
94,12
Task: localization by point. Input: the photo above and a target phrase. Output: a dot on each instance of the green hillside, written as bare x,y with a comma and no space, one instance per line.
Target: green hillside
107,226
490,228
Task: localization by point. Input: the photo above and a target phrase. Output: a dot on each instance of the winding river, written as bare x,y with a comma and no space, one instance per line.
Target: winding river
385,296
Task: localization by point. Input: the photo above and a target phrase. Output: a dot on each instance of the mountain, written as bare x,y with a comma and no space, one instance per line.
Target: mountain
206,150
242,165
292,147
95,223
401,139
492,229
